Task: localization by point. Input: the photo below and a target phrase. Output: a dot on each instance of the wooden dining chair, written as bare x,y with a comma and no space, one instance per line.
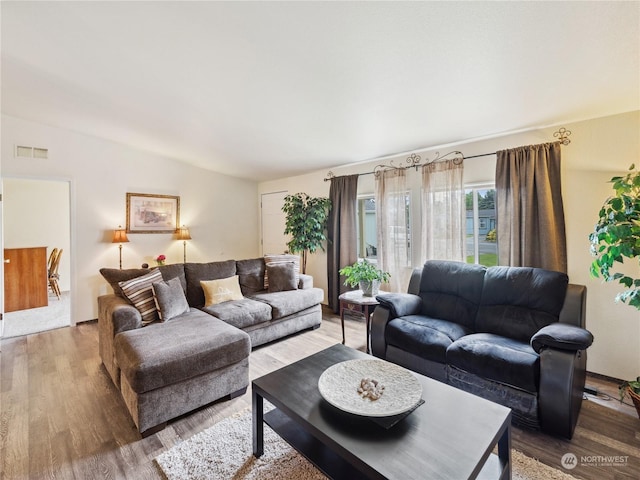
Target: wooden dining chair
53,272
52,256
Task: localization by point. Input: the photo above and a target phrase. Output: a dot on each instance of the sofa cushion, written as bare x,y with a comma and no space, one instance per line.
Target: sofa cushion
519,301
115,275
282,277
195,272
451,291
288,303
497,358
241,313
423,336
283,258
221,290
170,299
139,292
167,353
251,273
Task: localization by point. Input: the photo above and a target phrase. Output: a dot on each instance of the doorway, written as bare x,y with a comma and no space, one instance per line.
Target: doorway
36,220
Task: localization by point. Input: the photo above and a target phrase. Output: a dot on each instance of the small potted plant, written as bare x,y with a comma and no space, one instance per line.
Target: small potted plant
160,259
366,276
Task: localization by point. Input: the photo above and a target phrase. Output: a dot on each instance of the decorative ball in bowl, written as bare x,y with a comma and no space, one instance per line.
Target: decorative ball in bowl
370,387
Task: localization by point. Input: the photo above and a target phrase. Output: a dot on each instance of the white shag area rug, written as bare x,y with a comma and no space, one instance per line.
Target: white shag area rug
224,451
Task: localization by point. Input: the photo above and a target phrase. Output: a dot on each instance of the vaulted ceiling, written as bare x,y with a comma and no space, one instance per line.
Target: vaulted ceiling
264,90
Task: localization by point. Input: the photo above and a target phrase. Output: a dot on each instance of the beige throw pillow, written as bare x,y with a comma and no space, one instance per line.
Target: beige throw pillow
221,290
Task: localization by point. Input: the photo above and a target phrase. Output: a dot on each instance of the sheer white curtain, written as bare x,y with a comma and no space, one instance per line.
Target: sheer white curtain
443,211
392,219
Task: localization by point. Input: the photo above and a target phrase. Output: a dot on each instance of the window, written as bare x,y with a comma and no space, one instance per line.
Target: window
481,221
367,230
367,239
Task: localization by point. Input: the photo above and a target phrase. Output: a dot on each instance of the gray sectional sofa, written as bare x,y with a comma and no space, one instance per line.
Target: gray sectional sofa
513,335
195,354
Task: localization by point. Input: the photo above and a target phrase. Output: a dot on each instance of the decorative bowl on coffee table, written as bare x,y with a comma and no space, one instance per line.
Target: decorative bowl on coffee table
339,384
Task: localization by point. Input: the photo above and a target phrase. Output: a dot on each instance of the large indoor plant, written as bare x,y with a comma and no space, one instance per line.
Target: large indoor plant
631,389
366,276
306,222
617,236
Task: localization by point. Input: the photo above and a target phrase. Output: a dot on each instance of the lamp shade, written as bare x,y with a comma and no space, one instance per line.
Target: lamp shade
120,235
183,233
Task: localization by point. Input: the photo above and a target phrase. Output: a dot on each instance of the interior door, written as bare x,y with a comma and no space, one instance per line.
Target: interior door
273,223
25,278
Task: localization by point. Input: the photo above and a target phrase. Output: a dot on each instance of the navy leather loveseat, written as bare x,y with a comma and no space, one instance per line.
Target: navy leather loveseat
513,335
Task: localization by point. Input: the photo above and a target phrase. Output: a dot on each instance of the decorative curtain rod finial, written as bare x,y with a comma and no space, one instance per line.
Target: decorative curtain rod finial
329,176
563,136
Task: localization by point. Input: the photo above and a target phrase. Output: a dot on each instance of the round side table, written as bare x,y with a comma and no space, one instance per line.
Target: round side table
356,302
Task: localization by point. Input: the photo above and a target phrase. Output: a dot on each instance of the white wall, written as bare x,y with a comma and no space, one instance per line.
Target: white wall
36,214
220,211
599,149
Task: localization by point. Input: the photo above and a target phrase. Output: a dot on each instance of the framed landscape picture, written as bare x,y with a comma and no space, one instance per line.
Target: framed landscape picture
149,213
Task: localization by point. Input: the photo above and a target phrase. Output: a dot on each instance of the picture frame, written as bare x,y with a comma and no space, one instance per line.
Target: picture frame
151,213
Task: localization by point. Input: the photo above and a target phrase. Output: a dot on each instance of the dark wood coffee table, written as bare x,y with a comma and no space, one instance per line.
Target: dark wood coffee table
451,436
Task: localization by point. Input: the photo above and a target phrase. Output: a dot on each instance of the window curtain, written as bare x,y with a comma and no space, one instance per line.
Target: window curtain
342,248
531,228
391,216
443,211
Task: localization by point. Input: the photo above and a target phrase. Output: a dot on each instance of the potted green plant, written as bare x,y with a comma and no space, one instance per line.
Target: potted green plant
306,222
366,276
617,236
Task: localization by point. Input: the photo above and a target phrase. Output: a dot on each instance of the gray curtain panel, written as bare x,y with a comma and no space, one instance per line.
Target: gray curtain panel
531,228
341,234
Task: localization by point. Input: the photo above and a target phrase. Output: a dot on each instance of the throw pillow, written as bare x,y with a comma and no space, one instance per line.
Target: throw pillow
139,292
222,290
114,276
284,258
170,299
282,277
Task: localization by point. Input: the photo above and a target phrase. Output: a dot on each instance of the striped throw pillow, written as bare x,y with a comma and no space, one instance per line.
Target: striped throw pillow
139,292
270,260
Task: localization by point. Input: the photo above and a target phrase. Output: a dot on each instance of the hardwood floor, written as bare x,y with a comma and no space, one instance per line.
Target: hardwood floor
61,417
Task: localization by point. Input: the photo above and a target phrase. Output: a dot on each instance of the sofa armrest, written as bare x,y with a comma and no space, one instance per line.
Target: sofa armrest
392,305
400,304
379,319
119,313
115,315
562,378
306,281
562,337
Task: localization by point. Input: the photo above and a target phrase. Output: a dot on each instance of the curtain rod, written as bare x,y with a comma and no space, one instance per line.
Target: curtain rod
414,159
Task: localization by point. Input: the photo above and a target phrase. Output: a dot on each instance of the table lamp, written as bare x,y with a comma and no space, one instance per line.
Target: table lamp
120,236
183,234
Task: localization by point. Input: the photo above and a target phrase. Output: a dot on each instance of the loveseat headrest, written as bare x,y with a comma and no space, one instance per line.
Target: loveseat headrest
451,290
519,301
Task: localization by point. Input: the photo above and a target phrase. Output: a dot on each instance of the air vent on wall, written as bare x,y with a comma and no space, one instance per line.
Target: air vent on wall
31,152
